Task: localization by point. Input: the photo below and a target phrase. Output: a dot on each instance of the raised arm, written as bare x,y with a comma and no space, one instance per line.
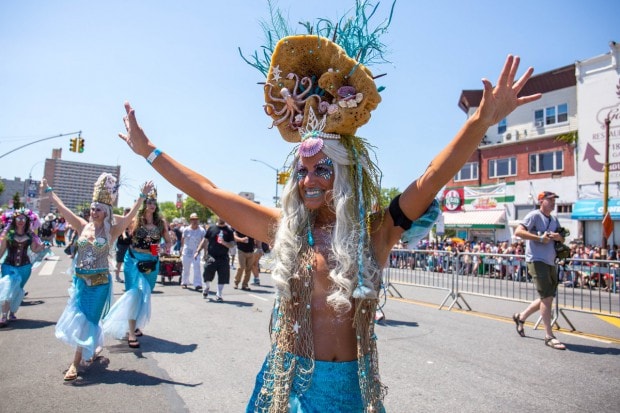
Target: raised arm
251,218
497,102
76,221
123,221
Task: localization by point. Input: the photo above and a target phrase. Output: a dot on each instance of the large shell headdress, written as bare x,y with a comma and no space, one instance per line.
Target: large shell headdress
320,78
106,189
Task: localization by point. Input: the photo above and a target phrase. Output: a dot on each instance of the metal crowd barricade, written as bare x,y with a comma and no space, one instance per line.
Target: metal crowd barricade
589,286
420,268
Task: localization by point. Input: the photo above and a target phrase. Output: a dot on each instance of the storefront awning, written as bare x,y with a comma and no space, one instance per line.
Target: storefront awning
479,219
592,209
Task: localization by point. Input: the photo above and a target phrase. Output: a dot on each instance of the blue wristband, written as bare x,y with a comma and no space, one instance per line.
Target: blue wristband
48,189
153,156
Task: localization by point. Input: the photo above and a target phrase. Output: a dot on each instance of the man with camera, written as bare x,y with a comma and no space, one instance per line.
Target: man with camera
541,231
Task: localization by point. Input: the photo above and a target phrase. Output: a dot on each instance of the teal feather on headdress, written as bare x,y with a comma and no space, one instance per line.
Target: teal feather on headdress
351,32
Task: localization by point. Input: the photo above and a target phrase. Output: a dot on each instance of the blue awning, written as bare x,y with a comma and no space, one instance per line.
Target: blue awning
592,209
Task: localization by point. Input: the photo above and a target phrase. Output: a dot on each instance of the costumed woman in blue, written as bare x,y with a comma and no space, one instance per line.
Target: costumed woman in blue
24,248
332,235
132,312
91,291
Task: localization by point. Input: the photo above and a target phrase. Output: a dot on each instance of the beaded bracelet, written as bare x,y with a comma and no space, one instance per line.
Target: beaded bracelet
48,189
153,156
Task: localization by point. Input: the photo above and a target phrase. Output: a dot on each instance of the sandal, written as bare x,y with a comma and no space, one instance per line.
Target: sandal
71,373
519,324
3,322
138,333
554,343
133,343
12,317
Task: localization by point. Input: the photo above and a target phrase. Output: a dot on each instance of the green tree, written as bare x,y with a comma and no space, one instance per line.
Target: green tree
190,205
169,210
387,194
1,187
17,203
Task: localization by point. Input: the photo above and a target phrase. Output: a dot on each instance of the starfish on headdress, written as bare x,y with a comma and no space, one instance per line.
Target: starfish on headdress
312,135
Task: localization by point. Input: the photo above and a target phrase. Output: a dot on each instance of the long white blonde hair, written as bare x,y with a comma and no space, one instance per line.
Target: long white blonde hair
294,224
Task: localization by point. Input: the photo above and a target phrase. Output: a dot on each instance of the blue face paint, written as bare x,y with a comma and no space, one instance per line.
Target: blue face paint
324,168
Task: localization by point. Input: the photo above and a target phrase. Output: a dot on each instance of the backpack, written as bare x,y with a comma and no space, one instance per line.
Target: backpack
46,229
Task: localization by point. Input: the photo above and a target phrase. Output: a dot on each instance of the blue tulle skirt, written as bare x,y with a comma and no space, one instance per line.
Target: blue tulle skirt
135,303
80,323
12,284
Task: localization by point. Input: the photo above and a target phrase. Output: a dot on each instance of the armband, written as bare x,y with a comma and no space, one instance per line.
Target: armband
153,156
398,216
142,195
48,189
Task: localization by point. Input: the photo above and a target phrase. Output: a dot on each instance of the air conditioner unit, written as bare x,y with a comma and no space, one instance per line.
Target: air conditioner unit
539,123
507,136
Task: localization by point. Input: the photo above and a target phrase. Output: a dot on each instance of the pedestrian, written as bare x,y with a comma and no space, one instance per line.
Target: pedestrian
132,311
90,292
245,258
191,238
18,236
217,241
122,244
539,229
329,240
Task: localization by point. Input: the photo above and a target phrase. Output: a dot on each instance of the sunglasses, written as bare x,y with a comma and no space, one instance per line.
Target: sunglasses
151,202
21,219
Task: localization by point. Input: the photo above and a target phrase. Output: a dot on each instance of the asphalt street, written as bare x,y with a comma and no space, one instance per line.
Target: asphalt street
200,355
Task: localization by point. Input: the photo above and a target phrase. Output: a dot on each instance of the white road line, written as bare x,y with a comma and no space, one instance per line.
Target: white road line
48,267
260,298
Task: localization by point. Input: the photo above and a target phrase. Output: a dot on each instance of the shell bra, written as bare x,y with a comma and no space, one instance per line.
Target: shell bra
143,237
92,254
17,252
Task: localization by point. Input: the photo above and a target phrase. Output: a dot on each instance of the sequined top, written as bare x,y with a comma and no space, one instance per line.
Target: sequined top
92,254
17,252
143,237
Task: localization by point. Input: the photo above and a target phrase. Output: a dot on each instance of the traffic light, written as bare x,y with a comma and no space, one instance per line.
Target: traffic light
73,145
282,177
80,148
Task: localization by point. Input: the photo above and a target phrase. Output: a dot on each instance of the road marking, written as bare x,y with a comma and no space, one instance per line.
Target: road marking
260,298
48,267
611,320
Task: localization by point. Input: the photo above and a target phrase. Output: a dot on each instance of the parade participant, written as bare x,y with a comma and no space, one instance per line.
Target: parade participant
91,292
329,240
19,235
132,312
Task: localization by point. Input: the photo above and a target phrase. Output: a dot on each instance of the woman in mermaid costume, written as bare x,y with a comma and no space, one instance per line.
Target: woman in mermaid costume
91,291
331,235
18,236
132,312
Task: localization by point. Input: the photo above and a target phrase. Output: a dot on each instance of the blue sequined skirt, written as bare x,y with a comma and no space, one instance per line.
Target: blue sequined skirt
12,284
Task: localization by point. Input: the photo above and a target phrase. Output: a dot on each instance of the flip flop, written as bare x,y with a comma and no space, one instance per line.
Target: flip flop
71,373
133,343
138,333
519,324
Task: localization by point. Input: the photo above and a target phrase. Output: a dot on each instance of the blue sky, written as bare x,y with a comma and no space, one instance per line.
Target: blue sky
68,65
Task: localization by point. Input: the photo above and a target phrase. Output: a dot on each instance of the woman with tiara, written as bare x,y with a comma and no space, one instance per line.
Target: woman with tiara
330,238
19,236
91,290
132,312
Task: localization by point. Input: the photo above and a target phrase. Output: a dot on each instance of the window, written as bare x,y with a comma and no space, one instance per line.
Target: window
546,162
501,126
468,172
502,167
551,115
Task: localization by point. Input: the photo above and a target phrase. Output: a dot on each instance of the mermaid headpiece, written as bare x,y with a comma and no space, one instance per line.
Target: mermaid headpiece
152,194
8,216
106,189
321,78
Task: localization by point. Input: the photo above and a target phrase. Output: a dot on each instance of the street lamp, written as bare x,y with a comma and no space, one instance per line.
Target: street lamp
277,177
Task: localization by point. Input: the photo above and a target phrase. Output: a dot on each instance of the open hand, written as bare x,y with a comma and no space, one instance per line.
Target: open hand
135,137
497,102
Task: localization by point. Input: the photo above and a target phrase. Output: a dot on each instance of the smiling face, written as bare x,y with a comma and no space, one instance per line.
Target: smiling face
315,180
151,204
97,212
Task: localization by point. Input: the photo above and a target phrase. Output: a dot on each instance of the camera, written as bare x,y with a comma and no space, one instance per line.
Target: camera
562,251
